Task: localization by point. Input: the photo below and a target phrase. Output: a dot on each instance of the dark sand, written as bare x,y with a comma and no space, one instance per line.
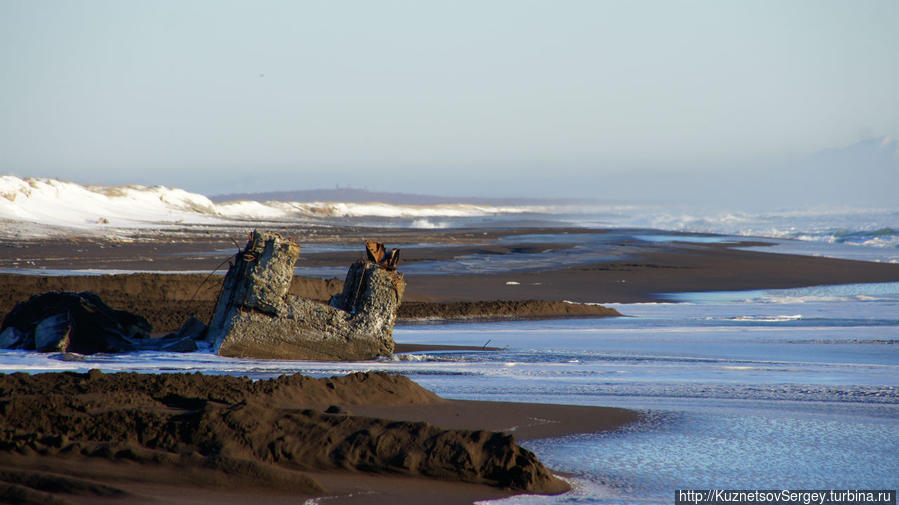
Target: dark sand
182,438
168,299
205,254
653,271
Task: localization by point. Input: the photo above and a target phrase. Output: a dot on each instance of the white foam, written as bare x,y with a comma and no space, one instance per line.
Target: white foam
252,210
582,491
768,319
98,208
42,207
426,224
849,226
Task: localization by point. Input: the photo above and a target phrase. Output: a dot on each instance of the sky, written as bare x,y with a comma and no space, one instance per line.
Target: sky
480,98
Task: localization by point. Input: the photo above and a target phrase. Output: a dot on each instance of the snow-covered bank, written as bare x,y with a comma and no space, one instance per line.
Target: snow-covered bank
40,207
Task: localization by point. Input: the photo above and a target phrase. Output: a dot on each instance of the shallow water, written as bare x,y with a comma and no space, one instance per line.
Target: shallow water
751,446
843,250
586,248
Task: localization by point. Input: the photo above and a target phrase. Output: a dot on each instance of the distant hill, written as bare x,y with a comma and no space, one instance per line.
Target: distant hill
352,195
864,173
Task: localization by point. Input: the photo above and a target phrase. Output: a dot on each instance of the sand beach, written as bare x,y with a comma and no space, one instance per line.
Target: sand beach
151,450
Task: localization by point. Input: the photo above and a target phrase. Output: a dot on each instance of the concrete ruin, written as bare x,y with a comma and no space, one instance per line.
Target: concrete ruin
255,317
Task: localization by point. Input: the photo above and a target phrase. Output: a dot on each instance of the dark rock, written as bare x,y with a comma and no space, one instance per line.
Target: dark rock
54,333
74,322
11,338
81,323
193,329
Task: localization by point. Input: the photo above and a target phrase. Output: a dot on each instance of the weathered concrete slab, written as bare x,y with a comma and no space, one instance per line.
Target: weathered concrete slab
256,318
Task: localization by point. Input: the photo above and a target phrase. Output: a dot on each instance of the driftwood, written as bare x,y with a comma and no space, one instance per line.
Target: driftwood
254,316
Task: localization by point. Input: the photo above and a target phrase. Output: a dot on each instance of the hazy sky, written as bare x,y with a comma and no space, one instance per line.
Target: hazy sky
482,97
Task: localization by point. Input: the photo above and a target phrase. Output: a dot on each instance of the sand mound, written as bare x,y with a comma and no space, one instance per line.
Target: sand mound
262,432
287,391
34,487
167,300
500,309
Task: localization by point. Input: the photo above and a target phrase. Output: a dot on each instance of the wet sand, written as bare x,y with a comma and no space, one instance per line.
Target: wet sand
654,271
167,300
173,253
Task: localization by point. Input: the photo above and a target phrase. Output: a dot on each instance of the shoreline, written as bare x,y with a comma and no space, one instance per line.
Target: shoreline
169,299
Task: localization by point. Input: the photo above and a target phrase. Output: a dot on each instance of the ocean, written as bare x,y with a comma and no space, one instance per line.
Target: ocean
769,389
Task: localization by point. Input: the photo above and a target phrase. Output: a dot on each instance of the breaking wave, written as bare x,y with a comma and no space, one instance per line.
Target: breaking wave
40,207
767,319
850,226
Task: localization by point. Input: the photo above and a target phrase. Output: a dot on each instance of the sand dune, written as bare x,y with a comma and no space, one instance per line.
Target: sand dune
86,435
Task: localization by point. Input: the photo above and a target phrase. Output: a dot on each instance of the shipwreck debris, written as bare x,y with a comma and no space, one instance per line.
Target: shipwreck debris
377,253
83,323
255,317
